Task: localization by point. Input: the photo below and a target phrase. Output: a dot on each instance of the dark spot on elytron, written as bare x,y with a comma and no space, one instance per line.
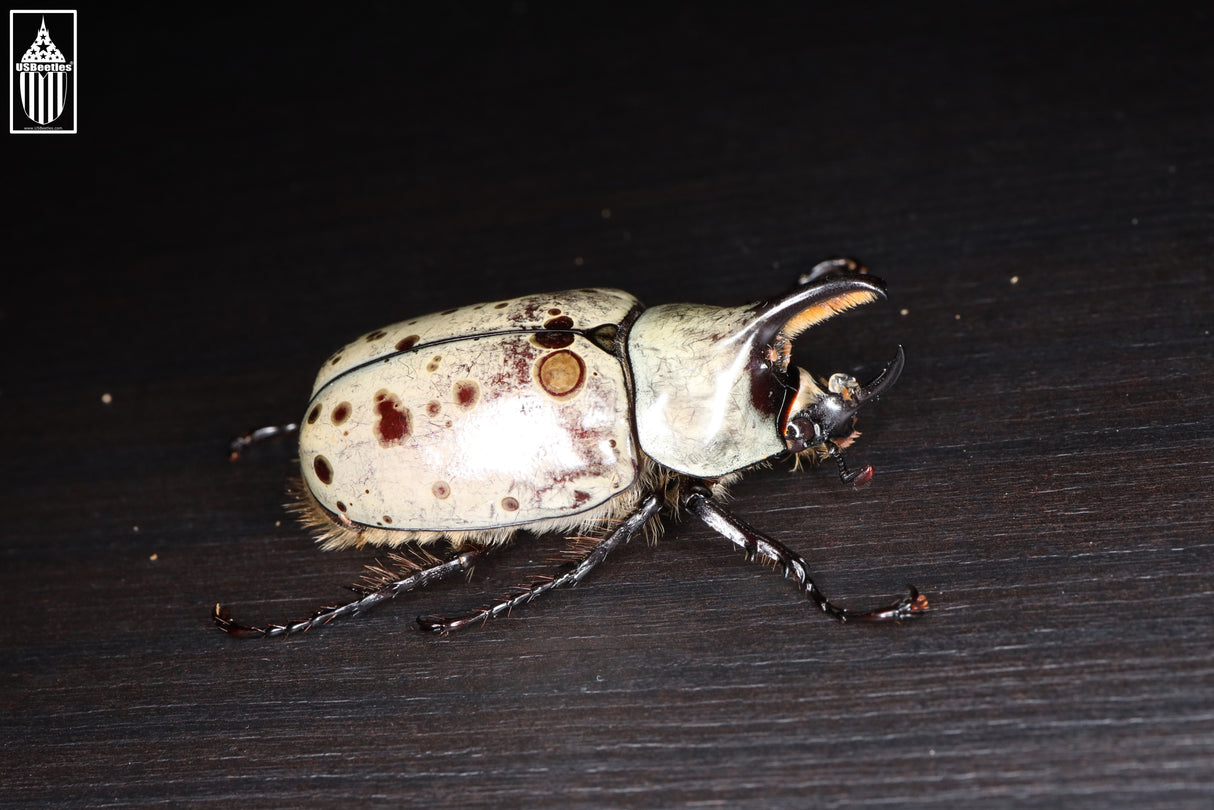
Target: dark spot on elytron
335,360
341,413
560,373
502,305
433,364
510,504
323,471
376,335
395,423
433,408
314,414
449,311
553,340
387,519
554,311
580,497
556,340
441,490
467,392
341,507
406,343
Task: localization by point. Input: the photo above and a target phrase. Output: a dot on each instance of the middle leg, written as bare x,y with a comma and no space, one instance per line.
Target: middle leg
621,534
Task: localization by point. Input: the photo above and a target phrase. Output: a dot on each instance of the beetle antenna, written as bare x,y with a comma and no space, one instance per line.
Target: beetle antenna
523,594
388,588
755,544
258,436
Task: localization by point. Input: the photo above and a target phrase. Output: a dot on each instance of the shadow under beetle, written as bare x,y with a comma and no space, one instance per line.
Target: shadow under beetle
579,412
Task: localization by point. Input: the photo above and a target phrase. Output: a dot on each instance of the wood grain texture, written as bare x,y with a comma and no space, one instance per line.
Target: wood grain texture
1034,184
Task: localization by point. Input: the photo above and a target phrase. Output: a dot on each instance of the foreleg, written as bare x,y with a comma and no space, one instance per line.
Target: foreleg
756,544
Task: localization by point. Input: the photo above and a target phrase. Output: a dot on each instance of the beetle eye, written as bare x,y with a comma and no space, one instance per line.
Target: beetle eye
801,433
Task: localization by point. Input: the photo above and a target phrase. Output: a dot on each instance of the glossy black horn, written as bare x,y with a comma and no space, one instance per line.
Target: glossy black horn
834,414
884,380
772,316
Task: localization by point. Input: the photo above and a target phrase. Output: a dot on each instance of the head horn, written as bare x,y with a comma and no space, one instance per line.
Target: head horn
883,381
833,415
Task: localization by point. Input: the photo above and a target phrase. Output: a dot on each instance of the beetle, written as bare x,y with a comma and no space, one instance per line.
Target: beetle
579,412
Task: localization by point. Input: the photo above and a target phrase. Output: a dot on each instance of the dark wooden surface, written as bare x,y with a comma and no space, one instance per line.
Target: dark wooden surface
251,189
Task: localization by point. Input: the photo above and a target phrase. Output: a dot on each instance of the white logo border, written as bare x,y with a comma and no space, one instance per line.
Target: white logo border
12,124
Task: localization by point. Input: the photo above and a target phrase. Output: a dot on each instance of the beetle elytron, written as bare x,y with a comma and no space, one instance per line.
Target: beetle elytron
578,412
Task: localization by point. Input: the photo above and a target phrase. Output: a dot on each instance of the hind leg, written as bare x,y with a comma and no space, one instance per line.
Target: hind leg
387,586
621,534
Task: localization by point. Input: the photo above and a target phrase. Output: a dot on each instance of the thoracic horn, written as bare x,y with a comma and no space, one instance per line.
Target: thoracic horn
786,317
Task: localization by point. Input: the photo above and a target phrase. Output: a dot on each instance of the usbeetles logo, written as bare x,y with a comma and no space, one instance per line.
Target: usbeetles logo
43,87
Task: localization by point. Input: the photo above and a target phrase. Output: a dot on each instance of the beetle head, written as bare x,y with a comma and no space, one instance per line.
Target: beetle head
714,393
821,422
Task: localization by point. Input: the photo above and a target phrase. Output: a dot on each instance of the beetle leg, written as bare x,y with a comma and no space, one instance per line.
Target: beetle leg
860,478
257,436
621,534
836,266
754,543
384,590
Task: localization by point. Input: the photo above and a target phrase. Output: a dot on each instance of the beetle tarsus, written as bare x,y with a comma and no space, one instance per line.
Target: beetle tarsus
755,544
372,598
520,594
237,445
618,536
908,607
840,265
857,478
